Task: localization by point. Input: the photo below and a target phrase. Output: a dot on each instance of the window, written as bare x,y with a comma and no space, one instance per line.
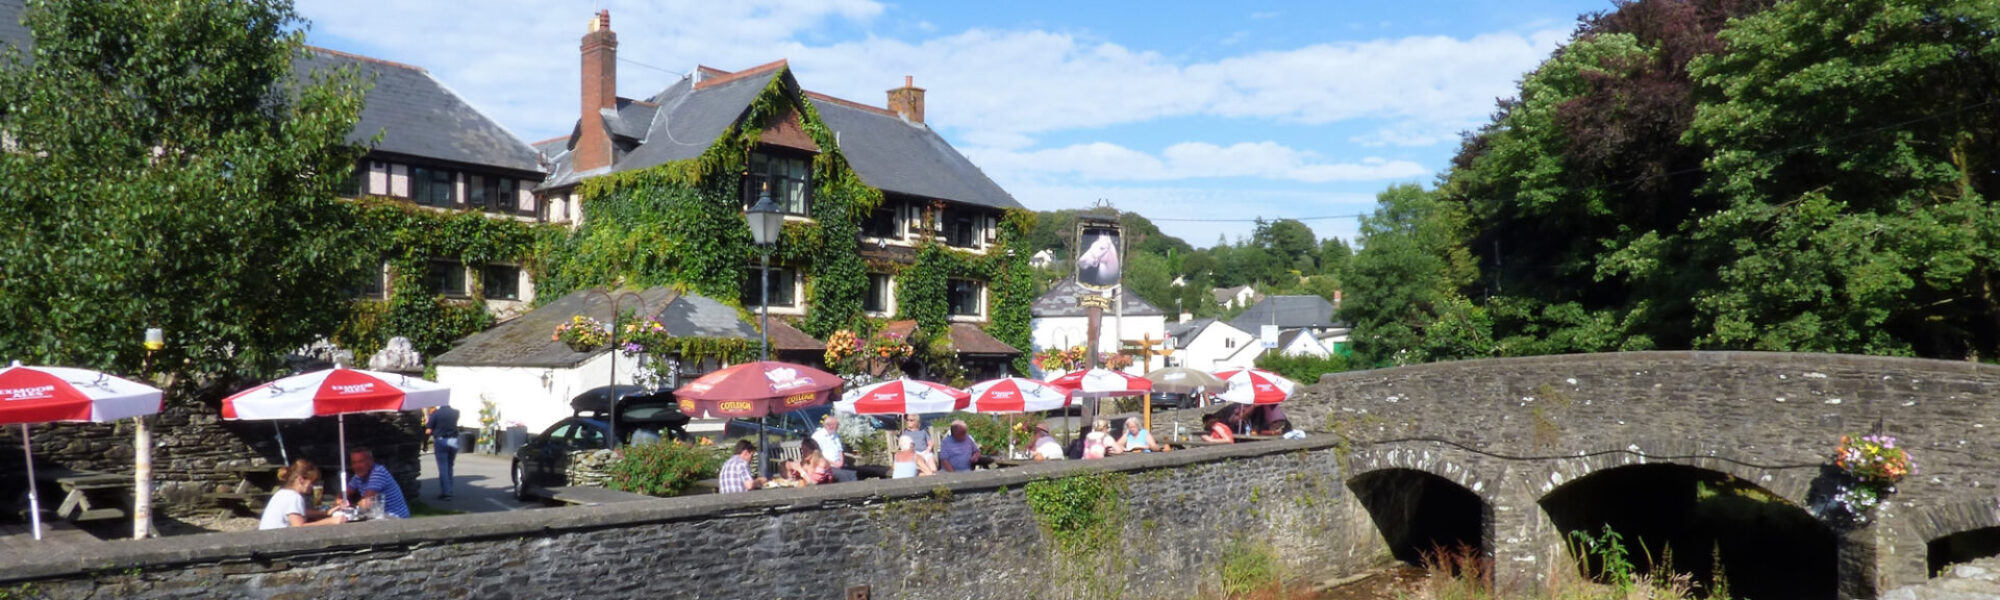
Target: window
782,281
433,186
357,182
501,282
1229,342
964,297
446,277
369,287
961,228
477,192
877,300
503,194
882,224
787,176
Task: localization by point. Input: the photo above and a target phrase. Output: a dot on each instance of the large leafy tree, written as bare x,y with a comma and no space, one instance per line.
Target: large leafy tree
1857,145
165,167
1405,281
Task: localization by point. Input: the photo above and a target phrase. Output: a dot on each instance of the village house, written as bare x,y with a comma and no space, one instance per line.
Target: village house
1210,345
1234,297
1059,322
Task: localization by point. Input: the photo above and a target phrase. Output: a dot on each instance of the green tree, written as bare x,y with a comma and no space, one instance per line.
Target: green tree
1856,146
1333,256
1146,277
169,169
1412,263
1288,240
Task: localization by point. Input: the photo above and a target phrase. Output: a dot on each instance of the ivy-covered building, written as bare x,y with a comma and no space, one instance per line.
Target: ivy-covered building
886,220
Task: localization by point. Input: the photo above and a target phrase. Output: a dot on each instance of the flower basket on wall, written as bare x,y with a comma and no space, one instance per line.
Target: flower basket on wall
1867,468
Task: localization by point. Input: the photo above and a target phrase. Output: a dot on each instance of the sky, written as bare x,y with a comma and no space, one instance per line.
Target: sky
1201,116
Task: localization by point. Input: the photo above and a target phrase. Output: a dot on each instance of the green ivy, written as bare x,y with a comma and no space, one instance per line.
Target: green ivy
1081,513
407,237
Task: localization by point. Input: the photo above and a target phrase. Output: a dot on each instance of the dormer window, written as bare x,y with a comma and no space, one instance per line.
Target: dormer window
790,179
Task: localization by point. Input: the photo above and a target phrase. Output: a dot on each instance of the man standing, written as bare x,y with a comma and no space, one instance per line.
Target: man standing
958,451
735,476
443,424
372,485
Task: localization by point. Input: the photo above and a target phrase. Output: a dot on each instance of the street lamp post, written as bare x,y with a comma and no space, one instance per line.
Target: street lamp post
767,222
611,385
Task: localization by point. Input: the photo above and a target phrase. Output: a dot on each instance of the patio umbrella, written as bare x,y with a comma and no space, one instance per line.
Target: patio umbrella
334,392
1101,383
1182,380
902,397
758,389
1015,395
30,395
1255,386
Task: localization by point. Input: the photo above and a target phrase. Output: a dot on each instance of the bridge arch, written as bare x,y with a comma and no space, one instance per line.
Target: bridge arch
1680,518
1424,502
1959,532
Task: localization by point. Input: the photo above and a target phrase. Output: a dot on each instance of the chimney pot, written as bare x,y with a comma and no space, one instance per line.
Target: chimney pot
600,91
908,100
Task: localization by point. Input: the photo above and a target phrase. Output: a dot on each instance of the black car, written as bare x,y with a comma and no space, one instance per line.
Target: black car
642,415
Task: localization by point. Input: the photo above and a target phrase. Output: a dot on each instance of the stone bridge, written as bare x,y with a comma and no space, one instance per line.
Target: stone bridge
1715,458
1721,456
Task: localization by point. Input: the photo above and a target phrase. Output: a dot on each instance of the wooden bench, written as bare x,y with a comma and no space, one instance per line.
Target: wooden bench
91,496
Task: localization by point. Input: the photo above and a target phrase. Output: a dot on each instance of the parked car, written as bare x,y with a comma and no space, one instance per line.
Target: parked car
642,415
794,425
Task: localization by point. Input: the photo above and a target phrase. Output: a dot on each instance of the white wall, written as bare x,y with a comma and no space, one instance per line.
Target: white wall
1212,351
1305,345
535,396
1063,332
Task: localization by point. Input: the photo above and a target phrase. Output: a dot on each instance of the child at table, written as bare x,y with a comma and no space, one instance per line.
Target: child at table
288,507
1218,429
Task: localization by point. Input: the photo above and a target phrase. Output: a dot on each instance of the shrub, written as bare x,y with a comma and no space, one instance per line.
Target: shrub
663,469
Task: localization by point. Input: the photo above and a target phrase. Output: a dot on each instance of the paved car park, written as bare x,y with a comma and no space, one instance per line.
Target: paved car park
481,484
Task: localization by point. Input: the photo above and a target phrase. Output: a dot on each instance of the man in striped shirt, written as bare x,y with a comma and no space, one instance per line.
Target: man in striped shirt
372,483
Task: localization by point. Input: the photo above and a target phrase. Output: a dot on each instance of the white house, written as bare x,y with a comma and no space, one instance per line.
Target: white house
1300,342
1059,322
531,378
1210,345
1234,297
1042,259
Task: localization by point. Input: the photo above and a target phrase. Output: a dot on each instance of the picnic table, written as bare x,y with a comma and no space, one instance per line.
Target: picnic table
91,496
253,488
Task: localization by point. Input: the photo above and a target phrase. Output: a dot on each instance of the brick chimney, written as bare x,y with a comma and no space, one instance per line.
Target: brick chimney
908,100
600,91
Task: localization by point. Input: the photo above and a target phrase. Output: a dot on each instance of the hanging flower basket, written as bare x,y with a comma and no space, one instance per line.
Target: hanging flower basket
582,334
1871,465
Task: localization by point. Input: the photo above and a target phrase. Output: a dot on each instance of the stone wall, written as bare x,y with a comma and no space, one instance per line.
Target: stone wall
192,445
963,535
1514,430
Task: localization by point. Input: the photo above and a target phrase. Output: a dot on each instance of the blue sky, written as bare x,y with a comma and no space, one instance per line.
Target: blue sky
1209,112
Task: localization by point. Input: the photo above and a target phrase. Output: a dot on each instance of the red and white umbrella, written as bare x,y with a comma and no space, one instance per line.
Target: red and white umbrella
1015,394
902,397
1255,386
1101,382
30,395
334,392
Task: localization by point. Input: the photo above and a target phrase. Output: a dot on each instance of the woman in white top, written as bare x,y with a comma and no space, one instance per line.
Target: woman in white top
288,506
1137,439
1045,446
906,460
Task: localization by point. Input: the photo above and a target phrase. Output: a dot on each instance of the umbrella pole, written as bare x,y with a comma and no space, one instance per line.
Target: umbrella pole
34,500
282,455
343,456
763,448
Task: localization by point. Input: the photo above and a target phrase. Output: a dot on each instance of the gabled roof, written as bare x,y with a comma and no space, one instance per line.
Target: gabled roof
1185,332
525,341
418,116
1060,301
1286,312
967,338
887,152
1226,294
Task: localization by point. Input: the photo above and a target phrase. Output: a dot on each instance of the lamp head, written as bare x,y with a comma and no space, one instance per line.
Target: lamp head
767,221
155,338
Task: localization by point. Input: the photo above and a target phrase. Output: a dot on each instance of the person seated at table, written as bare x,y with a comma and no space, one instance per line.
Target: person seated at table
1044,446
1137,439
288,506
1264,419
735,475
904,465
372,484
1075,449
1218,429
921,443
811,468
958,451
1099,442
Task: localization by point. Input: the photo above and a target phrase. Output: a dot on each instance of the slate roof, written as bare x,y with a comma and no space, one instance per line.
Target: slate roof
1185,332
525,340
12,32
785,338
887,152
1226,294
418,116
967,338
1289,312
1060,301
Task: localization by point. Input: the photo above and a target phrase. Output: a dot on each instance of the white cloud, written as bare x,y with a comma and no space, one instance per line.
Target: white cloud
1103,161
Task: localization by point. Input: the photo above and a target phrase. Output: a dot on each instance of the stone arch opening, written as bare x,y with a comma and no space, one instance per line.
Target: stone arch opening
1419,512
1942,553
1680,519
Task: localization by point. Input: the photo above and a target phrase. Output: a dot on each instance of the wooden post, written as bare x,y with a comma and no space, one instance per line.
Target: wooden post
142,479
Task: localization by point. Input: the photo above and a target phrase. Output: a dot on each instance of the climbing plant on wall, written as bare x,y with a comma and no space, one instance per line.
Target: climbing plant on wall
678,224
408,237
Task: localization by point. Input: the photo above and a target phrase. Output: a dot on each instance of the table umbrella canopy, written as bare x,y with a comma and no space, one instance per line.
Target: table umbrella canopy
1101,382
1015,394
1182,380
1255,386
902,397
756,389
335,391
48,394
